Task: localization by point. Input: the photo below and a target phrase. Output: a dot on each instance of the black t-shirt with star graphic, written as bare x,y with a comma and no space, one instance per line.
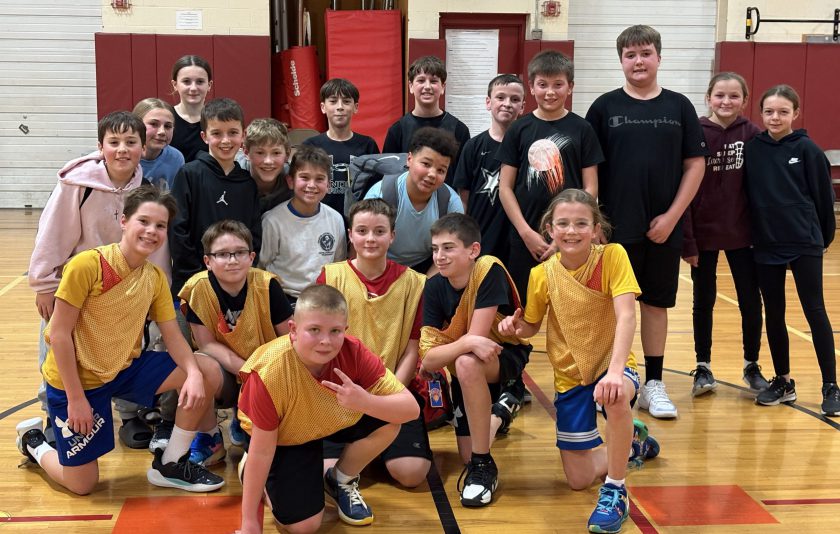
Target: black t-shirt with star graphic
478,173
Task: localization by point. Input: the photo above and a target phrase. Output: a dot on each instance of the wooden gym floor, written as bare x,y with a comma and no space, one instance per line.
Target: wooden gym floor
727,465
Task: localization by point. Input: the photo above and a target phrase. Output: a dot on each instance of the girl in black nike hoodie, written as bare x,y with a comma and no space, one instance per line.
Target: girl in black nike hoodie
788,181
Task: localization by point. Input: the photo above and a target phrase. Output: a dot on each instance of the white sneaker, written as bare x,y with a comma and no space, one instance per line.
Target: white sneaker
655,400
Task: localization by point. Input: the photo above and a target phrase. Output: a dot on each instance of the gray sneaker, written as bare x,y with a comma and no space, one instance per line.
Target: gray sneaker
754,379
704,381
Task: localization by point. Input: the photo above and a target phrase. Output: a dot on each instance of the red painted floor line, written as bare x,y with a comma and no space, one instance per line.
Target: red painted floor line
44,518
782,502
537,392
645,526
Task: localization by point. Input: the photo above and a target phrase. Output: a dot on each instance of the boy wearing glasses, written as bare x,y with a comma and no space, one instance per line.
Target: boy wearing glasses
302,235
232,309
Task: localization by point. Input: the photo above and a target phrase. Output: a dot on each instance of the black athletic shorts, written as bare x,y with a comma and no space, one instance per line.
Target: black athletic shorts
657,270
412,441
512,361
295,483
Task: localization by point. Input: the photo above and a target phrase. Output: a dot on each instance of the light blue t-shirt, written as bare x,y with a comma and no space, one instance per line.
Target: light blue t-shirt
413,242
162,169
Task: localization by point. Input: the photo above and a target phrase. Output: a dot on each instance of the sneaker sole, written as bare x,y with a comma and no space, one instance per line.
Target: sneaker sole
347,519
785,399
830,414
472,503
611,529
697,391
154,477
658,414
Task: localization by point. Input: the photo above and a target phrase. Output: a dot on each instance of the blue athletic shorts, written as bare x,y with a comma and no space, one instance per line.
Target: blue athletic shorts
577,428
138,383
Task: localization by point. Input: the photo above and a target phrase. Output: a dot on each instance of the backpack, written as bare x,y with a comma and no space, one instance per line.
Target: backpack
367,171
433,417
89,190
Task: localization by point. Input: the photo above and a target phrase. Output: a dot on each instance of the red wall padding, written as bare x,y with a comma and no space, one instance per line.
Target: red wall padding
811,69
365,47
302,84
130,67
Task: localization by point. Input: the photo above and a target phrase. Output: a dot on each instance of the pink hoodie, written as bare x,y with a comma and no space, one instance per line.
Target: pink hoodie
65,230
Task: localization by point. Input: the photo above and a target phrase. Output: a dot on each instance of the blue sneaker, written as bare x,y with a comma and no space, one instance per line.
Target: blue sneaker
644,445
612,509
349,502
207,449
238,437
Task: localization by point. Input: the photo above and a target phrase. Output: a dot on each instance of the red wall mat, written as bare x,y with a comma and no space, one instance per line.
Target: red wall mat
279,106
418,48
302,84
822,79
130,67
143,67
113,72
376,70
777,63
241,67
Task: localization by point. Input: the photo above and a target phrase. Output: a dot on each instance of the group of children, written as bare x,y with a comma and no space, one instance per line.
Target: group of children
314,351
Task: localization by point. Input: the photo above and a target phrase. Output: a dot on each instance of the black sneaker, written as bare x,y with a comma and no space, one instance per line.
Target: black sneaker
506,409
49,432
831,400
160,439
29,433
704,381
754,379
779,390
182,474
482,479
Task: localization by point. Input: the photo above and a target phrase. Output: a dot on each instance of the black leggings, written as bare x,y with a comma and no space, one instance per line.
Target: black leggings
807,274
704,277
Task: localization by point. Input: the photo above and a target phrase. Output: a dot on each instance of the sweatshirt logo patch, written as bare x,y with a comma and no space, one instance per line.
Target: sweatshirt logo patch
222,199
792,161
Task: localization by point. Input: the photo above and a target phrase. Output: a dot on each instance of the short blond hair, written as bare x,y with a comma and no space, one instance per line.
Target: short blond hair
267,131
322,298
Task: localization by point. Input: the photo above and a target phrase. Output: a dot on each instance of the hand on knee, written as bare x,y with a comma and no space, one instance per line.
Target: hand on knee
211,371
469,369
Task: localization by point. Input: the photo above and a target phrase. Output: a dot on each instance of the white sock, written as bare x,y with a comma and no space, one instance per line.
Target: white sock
213,430
619,483
704,364
341,477
747,362
39,451
179,444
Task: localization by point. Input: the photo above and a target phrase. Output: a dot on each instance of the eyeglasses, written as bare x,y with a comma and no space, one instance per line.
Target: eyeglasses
238,255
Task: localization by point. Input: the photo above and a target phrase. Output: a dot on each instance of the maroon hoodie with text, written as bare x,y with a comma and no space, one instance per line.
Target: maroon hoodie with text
718,217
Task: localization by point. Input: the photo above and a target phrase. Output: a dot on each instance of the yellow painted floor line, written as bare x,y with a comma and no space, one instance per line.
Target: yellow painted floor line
723,297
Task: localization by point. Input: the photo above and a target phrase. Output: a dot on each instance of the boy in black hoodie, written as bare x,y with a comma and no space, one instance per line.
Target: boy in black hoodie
211,188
